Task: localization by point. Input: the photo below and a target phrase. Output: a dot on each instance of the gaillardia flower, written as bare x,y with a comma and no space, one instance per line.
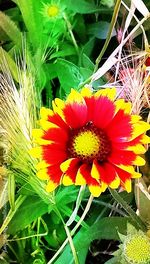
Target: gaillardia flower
53,10
92,139
136,249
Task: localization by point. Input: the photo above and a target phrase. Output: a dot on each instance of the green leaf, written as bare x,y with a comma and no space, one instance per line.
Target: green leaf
66,50
100,29
86,72
30,210
88,47
69,74
87,63
81,6
85,7
10,28
50,70
106,228
30,10
80,27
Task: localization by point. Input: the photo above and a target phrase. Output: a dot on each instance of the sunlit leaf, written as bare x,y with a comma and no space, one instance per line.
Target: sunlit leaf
69,74
30,209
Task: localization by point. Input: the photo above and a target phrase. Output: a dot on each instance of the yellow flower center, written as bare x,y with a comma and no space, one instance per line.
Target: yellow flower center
87,143
53,11
137,249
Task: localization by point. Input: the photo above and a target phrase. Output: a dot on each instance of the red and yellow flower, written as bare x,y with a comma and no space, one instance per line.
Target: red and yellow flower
91,138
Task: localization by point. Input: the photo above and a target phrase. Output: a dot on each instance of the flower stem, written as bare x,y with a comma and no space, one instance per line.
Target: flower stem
78,203
112,24
128,209
69,237
76,261
74,229
87,208
69,26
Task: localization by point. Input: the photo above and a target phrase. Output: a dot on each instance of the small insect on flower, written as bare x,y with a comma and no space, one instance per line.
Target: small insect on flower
92,139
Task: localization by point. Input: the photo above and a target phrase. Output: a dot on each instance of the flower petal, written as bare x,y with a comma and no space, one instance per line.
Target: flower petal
120,128
139,161
95,190
41,165
95,172
103,112
75,97
36,152
109,174
145,139
140,128
80,180
45,113
107,92
71,172
123,157
128,185
37,133
100,110
125,106
123,175
86,92
51,186
75,115
57,109
52,154
137,149
67,164
115,183
46,124
67,180
42,174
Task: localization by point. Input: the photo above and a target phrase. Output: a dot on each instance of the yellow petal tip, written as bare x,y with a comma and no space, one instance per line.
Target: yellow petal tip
95,190
127,185
42,174
65,165
80,179
51,186
45,112
67,180
115,183
35,152
41,165
139,161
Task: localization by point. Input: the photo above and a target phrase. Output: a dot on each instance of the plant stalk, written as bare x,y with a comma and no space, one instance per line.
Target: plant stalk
87,208
128,209
112,24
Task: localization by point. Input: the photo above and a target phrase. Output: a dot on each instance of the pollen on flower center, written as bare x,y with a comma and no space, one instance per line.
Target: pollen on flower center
86,143
89,143
137,249
53,11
